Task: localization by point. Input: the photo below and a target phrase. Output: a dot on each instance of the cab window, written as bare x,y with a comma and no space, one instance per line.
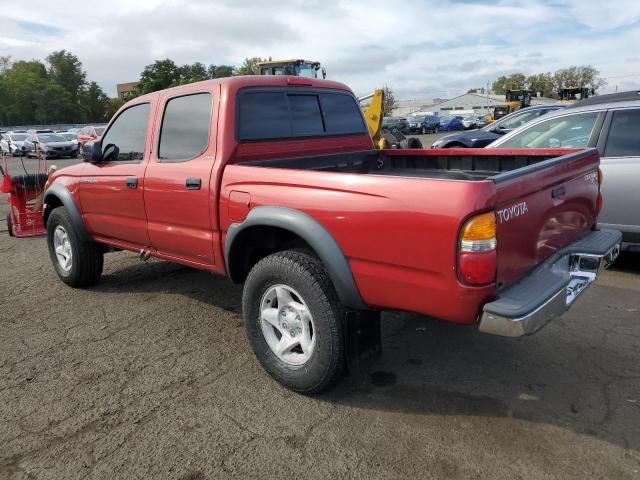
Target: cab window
126,138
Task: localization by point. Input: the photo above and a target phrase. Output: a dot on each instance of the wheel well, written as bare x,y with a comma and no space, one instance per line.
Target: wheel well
455,145
254,243
51,202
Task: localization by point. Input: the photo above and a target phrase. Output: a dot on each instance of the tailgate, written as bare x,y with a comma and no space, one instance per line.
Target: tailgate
542,208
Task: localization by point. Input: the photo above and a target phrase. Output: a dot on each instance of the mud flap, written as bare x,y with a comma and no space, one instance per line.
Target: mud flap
363,339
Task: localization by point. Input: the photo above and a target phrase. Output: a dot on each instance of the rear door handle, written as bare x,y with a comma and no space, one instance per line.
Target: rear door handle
132,182
193,183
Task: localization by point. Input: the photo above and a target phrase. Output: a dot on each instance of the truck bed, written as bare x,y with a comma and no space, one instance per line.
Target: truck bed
446,164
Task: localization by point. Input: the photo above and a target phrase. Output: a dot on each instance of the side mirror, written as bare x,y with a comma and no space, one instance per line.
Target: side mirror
324,72
92,152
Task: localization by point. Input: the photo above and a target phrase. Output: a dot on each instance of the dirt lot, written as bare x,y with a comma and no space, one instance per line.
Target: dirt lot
149,375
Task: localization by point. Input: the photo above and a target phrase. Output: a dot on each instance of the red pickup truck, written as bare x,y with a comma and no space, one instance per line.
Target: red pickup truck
275,182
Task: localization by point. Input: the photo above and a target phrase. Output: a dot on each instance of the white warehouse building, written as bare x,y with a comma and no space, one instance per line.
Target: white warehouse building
467,104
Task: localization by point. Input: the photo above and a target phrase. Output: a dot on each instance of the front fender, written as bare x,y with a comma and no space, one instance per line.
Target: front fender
58,194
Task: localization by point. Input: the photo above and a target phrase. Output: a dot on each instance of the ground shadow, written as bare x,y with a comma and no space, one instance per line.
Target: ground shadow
430,367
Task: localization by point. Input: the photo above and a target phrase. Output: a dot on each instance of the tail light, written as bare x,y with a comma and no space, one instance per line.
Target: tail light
477,250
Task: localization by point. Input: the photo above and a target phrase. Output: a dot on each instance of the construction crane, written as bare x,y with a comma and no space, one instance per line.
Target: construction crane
574,94
294,67
515,99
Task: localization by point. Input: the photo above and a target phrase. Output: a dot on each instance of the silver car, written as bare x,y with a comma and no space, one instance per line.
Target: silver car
11,143
610,123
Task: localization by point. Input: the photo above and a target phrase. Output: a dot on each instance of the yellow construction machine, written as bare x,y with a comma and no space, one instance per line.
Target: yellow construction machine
575,94
294,67
515,99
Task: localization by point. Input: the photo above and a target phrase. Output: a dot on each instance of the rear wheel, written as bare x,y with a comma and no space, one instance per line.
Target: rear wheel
423,130
77,263
294,321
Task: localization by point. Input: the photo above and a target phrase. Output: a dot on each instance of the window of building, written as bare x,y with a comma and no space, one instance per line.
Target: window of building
186,127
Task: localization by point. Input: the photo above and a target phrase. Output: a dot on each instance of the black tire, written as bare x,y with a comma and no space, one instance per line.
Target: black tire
305,274
9,225
87,257
454,145
423,130
436,129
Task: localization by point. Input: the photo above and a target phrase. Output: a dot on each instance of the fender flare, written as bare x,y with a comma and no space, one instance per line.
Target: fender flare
62,194
312,232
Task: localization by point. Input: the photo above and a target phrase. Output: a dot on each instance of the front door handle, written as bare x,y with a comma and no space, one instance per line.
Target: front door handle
193,183
132,182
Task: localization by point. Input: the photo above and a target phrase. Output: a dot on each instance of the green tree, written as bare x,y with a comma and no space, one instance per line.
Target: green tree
508,82
219,71
198,72
249,67
578,76
113,106
157,76
543,83
66,70
94,103
389,103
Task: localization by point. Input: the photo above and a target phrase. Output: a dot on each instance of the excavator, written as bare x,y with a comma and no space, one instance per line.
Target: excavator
515,99
373,113
575,94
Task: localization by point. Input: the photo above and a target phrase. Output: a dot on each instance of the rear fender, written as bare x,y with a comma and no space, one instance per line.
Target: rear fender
314,234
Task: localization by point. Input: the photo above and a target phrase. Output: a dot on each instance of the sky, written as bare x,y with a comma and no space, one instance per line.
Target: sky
419,48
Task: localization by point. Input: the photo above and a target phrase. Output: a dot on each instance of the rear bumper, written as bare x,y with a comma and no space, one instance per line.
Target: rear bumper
550,289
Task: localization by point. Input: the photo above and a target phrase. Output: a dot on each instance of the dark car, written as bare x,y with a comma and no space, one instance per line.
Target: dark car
611,124
399,123
423,124
52,145
484,136
450,123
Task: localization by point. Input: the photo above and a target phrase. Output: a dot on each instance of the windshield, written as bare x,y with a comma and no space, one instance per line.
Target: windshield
567,131
17,137
306,70
68,136
100,130
445,119
416,119
51,138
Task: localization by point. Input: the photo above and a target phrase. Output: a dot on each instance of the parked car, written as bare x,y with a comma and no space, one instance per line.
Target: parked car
11,143
40,130
53,145
610,123
450,123
71,136
489,133
246,194
423,124
481,121
87,134
469,122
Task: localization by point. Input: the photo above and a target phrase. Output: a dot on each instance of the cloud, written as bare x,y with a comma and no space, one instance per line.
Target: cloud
420,48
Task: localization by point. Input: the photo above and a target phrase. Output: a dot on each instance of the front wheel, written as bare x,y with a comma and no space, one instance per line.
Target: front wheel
293,320
424,130
77,263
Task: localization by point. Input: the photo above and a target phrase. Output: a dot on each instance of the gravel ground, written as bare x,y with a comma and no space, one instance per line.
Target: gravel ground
149,375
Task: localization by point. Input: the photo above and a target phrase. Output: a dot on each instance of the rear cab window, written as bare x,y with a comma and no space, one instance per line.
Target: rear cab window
271,114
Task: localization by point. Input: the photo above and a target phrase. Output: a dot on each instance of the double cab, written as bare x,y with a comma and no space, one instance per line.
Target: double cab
274,182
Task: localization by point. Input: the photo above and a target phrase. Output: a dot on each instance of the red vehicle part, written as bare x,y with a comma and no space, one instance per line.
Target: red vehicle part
25,206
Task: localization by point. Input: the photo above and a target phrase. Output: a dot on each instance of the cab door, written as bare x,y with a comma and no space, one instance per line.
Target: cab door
179,197
111,191
620,163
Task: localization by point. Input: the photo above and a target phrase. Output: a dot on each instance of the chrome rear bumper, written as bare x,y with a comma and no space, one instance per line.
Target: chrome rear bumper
550,289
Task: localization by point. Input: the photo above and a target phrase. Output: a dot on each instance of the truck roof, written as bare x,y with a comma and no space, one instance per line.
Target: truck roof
233,84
